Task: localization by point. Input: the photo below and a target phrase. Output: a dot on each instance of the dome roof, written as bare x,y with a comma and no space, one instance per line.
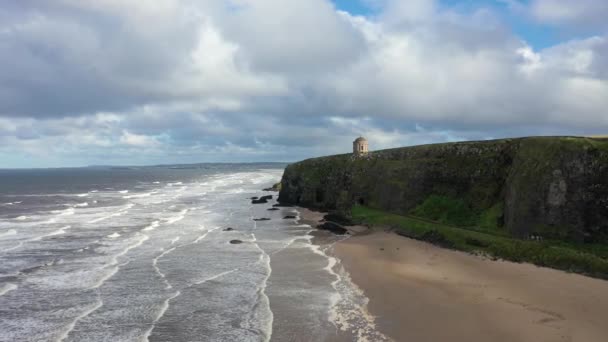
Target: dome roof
360,139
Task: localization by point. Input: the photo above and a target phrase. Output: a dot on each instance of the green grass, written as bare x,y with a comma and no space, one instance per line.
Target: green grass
591,260
456,212
446,210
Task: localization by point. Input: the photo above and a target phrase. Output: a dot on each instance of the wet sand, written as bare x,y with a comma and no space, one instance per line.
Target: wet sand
420,292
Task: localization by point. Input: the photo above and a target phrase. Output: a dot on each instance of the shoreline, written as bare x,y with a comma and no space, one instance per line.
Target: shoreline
421,292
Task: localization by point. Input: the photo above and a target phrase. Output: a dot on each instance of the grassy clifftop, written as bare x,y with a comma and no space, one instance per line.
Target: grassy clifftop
550,187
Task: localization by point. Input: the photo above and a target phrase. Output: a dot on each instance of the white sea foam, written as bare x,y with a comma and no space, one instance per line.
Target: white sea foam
142,195
14,247
116,214
83,195
202,237
8,233
113,236
174,184
66,212
267,315
164,307
53,233
7,288
348,309
152,226
21,218
114,265
81,205
180,216
217,276
70,327
123,191
157,269
174,240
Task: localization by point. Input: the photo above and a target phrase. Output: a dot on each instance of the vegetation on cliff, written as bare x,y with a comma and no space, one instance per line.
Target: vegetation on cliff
548,187
580,258
543,199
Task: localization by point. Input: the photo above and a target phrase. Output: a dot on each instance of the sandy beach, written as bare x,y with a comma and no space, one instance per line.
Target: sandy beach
420,292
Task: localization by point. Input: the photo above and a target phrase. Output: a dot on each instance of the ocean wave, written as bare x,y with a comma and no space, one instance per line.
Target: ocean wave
123,192
82,195
114,265
12,203
152,226
113,236
81,205
267,315
70,327
157,269
21,218
115,214
145,194
8,233
66,212
56,232
7,288
178,217
163,309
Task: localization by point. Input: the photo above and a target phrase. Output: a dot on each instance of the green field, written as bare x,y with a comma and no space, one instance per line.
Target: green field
588,259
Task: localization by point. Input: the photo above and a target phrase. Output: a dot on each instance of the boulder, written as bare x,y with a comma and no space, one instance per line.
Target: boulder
333,227
339,218
261,200
261,219
290,217
273,209
236,242
229,229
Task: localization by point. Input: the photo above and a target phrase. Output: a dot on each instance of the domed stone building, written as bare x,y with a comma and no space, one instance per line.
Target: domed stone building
360,146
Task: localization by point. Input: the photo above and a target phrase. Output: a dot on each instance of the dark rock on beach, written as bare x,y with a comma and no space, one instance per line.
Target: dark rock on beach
290,217
229,229
262,219
339,218
282,205
236,242
261,200
273,209
333,227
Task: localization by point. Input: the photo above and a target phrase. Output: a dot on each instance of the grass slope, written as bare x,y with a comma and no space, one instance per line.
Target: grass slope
590,260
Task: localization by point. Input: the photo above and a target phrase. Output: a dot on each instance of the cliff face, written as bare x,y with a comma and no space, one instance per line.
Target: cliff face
556,187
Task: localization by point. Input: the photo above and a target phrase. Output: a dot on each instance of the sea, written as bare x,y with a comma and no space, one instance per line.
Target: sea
145,254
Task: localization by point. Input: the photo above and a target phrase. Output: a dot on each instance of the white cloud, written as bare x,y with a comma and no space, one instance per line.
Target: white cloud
185,80
579,12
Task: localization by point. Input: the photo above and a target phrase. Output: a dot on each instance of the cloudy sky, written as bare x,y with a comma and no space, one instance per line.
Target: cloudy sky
177,81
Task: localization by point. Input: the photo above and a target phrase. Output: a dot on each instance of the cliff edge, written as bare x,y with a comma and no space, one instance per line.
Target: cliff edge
545,187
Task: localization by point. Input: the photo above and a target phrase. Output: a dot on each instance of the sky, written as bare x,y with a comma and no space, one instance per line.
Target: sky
99,82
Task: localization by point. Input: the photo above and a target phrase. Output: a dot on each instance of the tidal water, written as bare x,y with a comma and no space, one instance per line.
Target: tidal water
141,254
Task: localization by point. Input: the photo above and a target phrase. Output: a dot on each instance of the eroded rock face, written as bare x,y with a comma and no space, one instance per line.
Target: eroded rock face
554,187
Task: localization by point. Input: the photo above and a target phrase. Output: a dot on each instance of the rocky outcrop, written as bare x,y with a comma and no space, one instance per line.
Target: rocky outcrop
261,200
554,187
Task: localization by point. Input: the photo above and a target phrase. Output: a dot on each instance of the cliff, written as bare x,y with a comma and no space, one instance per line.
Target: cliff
552,187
